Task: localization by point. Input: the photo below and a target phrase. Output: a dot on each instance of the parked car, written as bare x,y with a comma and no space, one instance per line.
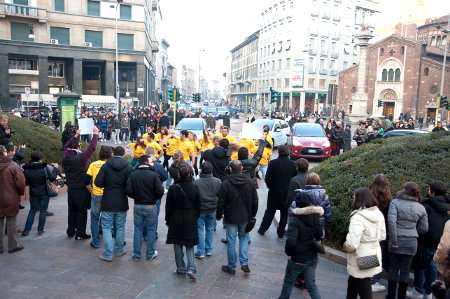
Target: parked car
308,140
194,125
402,132
275,129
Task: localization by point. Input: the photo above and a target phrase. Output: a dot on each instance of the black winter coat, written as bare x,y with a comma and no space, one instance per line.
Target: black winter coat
36,178
238,200
164,122
113,178
347,140
182,212
279,174
5,139
219,159
144,186
437,210
296,183
134,124
337,136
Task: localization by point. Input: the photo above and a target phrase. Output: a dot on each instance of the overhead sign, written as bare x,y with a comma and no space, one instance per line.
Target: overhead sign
298,79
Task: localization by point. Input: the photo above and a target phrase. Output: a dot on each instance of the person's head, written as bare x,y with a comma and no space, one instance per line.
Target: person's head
105,153
439,124
437,188
363,199
36,156
144,160
192,136
312,178
119,151
139,142
4,120
412,189
206,168
266,129
243,153
235,167
283,151
216,141
150,137
225,131
302,165
380,189
149,128
186,172
177,156
10,149
348,127
224,143
184,134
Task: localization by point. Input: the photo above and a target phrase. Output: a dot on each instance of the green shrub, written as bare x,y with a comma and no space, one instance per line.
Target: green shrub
37,137
419,159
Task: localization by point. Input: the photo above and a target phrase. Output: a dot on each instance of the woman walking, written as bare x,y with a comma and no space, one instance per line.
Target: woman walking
367,228
407,218
182,212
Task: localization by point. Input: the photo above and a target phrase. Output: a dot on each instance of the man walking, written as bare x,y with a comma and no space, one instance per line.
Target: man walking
113,178
145,187
278,176
75,165
209,187
297,182
238,203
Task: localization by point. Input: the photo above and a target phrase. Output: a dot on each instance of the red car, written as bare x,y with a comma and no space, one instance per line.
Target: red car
308,140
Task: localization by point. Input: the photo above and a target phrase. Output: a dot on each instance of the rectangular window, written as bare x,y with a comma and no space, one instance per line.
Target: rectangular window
125,41
59,5
322,64
22,31
56,69
22,64
125,12
62,35
279,64
286,83
94,37
93,8
288,63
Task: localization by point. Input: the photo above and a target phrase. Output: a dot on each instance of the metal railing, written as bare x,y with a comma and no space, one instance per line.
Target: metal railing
22,11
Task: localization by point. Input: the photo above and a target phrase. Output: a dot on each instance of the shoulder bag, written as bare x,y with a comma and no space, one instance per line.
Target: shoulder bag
52,189
369,261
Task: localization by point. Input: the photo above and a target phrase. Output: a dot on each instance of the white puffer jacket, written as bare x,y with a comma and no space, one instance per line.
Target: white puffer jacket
367,228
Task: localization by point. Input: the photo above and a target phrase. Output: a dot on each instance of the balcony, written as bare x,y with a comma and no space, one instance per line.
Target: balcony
23,11
323,72
333,73
324,53
312,70
334,54
312,51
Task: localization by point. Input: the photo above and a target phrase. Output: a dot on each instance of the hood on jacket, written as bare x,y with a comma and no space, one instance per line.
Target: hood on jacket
118,163
372,214
238,179
219,152
308,211
440,204
4,163
207,175
34,165
403,196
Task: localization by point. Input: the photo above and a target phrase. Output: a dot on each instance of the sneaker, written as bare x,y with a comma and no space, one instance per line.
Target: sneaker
49,214
121,254
245,269
180,272
413,294
82,237
136,258
153,257
192,276
200,257
25,233
227,269
209,254
17,249
40,233
224,240
378,288
94,246
105,259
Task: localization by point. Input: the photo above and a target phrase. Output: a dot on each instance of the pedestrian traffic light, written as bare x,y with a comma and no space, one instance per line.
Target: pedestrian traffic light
380,103
275,96
443,102
170,94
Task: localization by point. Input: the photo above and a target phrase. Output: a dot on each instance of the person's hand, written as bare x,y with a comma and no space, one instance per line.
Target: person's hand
95,131
89,187
8,131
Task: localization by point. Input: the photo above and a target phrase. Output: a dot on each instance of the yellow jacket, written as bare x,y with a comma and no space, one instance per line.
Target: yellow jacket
249,144
266,156
138,151
172,146
156,148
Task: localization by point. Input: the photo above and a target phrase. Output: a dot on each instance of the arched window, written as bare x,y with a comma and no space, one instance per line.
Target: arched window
426,71
384,75
402,50
397,75
391,75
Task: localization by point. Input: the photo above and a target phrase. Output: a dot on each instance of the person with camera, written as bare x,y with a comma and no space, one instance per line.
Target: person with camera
238,204
5,130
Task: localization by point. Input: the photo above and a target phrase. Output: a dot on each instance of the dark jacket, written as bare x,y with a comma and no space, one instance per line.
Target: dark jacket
279,174
134,124
226,121
113,178
219,159
164,121
144,186
75,163
211,122
303,230
208,187
347,140
159,169
36,177
238,200
249,165
5,138
182,212
437,210
12,186
174,171
296,183
337,136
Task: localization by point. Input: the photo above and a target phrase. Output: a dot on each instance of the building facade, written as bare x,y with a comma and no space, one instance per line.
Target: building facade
162,75
304,44
403,75
49,46
244,72
188,82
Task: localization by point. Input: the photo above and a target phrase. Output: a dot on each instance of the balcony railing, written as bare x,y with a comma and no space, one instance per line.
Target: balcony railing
23,11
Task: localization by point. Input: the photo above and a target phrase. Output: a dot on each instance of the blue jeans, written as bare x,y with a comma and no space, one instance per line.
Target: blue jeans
234,231
40,204
145,216
205,230
96,202
108,221
293,269
183,267
169,181
423,278
263,169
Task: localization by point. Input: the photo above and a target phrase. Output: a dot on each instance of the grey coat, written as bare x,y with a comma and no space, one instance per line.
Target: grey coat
407,218
208,187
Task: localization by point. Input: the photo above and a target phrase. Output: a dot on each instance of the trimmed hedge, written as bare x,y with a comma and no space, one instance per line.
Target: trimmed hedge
419,159
36,137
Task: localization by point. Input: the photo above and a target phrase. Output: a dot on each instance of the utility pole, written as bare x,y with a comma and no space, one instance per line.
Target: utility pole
270,103
119,108
444,65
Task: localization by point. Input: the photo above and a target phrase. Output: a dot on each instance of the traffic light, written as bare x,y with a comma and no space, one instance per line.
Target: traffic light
275,96
443,102
380,103
196,97
170,94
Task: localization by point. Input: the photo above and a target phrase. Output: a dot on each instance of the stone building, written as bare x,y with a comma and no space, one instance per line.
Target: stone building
403,75
47,46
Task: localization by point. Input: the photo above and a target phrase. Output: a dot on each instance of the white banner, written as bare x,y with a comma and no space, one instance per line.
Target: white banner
86,126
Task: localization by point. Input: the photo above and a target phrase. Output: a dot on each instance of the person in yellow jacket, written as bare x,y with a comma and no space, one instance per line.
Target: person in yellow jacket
149,131
225,133
139,149
186,148
206,142
249,144
97,193
152,144
234,151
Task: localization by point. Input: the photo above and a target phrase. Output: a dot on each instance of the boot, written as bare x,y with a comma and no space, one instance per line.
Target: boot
392,289
402,287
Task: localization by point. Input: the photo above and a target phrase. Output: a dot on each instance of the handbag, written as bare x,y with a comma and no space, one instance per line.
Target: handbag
52,189
368,262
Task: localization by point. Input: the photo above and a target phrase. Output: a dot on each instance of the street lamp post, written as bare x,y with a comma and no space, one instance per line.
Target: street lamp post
199,70
119,108
444,65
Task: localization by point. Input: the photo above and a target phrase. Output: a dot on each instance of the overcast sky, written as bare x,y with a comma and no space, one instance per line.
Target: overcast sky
218,25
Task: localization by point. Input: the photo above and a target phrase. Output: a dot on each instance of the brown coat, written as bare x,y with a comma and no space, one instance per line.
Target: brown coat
442,254
12,187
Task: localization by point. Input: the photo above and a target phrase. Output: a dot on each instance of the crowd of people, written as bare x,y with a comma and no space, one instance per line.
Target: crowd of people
214,177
